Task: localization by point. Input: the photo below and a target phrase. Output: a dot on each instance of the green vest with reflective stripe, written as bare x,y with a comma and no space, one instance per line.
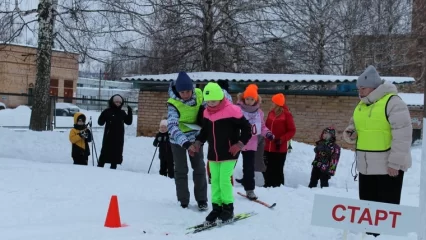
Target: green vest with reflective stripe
372,126
188,114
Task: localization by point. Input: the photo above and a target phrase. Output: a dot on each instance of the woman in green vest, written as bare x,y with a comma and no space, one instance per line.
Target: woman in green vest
184,113
382,132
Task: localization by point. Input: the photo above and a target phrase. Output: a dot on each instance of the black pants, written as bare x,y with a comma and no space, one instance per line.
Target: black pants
80,161
102,164
248,170
167,167
274,174
316,175
381,188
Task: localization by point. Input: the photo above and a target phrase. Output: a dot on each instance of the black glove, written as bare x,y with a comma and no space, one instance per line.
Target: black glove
129,109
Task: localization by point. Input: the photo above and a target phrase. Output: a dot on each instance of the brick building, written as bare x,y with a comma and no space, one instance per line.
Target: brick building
395,54
312,110
18,73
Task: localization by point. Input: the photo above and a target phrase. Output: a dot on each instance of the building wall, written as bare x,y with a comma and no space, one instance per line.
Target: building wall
18,71
311,114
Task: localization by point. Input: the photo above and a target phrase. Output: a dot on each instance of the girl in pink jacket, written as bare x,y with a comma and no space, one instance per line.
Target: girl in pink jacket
249,102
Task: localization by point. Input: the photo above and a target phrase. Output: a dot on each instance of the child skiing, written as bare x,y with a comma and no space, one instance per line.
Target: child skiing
227,131
327,155
249,104
165,151
80,137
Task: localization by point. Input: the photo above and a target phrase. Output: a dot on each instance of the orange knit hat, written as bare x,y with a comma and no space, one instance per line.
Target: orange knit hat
251,91
279,99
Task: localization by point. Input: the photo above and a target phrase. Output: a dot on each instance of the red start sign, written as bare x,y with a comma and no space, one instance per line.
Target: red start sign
359,215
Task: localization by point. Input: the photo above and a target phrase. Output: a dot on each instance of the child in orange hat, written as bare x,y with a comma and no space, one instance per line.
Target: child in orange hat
248,101
281,123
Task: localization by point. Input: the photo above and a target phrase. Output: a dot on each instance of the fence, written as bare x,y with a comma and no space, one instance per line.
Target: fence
17,110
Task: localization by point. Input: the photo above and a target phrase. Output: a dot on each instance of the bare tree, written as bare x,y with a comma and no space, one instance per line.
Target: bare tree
89,27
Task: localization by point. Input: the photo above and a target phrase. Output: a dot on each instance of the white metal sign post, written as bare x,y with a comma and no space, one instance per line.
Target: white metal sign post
364,216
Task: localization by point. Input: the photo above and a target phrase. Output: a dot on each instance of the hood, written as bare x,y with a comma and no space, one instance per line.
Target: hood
247,108
79,115
111,103
330,130
379,92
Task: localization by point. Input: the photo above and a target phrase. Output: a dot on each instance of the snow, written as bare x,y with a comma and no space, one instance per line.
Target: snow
44,196
242,77
412,99
20,117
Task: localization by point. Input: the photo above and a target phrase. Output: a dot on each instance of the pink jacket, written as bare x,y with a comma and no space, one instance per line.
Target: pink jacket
255,116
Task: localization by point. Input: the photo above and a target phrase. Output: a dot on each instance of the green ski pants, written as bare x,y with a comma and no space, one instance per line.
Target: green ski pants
221,187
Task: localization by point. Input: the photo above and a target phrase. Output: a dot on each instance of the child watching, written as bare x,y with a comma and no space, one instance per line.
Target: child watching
162,141
80,137
327,155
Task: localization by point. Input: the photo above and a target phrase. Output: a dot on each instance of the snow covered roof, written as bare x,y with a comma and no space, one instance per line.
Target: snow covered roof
412,99
255,77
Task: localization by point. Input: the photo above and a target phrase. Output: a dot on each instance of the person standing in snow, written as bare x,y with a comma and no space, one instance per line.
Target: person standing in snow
80,137
162,142
382,132
113,141
280,122
185,106
327,155
225,88
249,104
227,131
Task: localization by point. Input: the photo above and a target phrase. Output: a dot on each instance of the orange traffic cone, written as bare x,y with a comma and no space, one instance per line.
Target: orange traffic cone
113,216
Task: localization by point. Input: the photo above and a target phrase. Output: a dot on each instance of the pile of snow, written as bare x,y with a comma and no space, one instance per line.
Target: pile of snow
44,196
20,117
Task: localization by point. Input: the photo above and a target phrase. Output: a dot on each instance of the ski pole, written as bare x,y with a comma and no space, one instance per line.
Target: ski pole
153,158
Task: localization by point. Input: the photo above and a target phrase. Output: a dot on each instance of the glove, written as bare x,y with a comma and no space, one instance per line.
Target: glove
129,109
270,136
234,149
83,134
160,139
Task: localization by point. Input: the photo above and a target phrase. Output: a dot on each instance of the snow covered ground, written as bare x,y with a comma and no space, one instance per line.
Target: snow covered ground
20,117
44,196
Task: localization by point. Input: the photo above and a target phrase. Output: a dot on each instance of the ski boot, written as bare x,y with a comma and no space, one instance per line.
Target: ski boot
250,195
227,213
202,206
213,215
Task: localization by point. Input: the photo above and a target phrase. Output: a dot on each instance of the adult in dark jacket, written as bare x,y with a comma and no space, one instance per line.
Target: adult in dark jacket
113,140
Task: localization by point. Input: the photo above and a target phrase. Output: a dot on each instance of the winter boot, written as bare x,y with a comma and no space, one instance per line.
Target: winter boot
250,195
240,181
202,206
214,214
227,213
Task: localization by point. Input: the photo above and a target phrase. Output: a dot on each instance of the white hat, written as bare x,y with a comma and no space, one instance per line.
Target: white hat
163,123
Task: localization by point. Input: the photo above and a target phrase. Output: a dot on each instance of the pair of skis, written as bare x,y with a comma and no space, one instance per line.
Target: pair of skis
203,227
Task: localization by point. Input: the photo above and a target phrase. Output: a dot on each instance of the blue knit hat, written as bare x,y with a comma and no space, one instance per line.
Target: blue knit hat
183,82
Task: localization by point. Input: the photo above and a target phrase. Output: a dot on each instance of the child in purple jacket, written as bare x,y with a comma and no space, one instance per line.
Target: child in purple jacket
249,104
327,155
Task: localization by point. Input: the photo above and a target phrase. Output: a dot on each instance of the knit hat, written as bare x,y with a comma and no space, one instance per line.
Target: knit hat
279,99
370,78
213,92
183,82
223,84
251,91
163,123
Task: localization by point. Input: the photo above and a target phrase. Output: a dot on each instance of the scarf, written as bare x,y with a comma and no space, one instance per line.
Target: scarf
220,106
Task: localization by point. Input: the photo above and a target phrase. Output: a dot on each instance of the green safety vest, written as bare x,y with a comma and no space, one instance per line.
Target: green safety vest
187,114
372,126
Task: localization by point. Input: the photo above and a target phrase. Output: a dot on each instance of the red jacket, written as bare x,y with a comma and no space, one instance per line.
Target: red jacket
283,128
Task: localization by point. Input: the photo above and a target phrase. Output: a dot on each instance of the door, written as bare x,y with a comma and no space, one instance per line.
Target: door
54,83
68,91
